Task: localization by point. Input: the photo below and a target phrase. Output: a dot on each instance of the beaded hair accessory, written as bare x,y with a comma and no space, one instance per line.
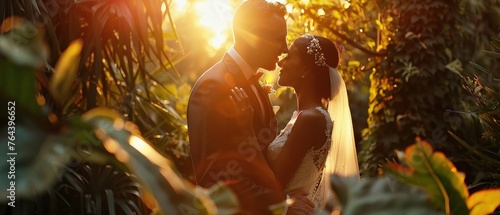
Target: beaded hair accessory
315,48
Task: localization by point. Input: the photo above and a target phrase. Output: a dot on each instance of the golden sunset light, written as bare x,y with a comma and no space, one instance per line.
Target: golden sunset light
216,15
280,1
198,106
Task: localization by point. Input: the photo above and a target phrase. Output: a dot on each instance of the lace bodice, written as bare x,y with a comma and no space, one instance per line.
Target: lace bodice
311,168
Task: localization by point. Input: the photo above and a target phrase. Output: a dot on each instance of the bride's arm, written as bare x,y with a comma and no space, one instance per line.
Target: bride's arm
307,132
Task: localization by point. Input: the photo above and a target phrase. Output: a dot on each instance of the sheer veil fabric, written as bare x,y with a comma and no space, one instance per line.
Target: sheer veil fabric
342,159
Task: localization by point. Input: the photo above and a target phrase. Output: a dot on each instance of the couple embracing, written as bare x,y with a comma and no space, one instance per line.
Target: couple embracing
232,127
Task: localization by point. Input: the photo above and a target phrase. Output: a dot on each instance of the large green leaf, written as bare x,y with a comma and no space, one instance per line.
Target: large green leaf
380,196
37,155
21,55
433,172
35,151
172,194
18,86
22,42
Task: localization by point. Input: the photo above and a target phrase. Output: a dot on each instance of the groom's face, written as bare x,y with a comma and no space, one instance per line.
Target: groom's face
271,41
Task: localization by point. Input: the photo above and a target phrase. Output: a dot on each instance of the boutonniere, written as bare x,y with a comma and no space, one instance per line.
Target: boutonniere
268,87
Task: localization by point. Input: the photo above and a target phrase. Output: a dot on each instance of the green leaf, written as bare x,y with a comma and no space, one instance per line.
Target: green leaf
483,156
18,85
492,54
23,42
454,66
479,67
172,194
40,155
19,65
381,196
433,172
224,199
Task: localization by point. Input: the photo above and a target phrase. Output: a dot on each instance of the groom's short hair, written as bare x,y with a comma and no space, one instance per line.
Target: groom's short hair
255,13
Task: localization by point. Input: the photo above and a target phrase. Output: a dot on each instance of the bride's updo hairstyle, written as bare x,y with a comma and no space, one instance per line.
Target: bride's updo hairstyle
312,54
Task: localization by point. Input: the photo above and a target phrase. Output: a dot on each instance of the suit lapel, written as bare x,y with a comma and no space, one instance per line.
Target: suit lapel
241,81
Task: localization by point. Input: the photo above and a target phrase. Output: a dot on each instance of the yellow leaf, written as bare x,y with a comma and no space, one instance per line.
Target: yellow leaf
336,15
371,44
484,202
353,63
379,24
65,72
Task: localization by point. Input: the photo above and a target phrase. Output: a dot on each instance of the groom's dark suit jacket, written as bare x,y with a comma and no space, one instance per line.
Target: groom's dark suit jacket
223,151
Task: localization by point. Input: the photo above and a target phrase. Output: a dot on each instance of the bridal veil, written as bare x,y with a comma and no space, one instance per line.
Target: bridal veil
342,159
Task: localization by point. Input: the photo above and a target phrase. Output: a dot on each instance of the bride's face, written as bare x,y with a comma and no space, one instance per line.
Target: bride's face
292,68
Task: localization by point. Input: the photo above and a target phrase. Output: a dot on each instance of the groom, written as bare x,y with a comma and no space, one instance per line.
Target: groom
220,150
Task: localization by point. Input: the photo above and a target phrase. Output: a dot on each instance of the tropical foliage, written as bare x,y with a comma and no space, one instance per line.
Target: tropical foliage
128,49
48,144
434,173
481,114
411,53
382,195
124,51
405,55
406,63
427,183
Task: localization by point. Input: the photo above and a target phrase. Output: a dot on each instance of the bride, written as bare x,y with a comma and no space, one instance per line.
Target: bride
318,140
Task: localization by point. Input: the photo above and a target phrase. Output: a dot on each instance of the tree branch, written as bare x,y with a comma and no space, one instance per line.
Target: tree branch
345,37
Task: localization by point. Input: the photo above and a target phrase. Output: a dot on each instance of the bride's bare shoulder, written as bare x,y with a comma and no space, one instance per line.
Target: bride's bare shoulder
314,119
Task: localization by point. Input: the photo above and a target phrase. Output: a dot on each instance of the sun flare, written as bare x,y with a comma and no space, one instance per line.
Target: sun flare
216,15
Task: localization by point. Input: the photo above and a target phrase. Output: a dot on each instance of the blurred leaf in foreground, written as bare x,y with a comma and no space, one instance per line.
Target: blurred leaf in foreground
172,194
433,172
381,196
484,202
65,72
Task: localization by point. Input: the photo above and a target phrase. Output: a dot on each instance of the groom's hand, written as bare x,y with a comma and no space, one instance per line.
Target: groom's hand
301,205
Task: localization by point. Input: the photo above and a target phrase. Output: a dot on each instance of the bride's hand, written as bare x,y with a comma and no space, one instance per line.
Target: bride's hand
301,205
244,110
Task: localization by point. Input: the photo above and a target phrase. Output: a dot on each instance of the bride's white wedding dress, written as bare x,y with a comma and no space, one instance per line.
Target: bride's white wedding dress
309,174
